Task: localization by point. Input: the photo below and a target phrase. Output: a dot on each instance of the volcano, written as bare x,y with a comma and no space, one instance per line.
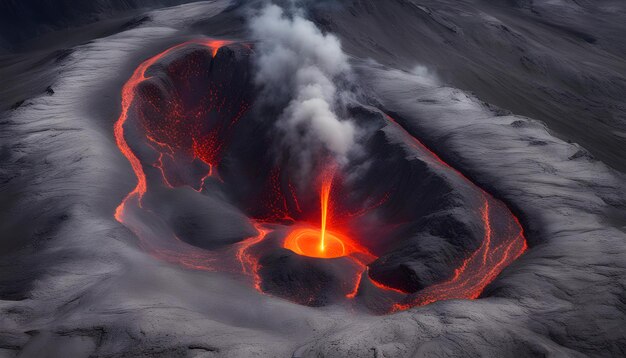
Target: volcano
271,178
186,122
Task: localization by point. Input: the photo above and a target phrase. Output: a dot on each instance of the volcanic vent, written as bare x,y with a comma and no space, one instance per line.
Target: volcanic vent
212,194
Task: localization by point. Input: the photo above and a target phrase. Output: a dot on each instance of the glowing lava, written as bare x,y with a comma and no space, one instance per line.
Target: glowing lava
484,264
325,195
129,92
306,242
321,243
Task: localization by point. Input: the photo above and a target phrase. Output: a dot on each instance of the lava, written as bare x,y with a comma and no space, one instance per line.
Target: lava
321,243
483,265
324,197
186,131
249,263
318,242
129,91
306,242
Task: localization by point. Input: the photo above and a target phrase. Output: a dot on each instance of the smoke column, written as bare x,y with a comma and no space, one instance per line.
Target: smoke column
297,70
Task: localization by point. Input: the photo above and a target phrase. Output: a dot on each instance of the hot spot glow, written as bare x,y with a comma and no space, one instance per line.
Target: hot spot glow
306,242
320,243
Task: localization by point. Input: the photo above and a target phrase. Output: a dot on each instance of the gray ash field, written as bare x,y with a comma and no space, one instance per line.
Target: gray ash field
355,178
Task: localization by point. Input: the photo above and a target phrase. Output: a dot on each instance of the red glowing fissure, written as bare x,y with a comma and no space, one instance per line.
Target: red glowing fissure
129,91
176,251
326,241
483,265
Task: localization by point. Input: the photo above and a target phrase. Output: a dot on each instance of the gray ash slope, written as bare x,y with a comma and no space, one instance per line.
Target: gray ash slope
74,284
22,21
561,62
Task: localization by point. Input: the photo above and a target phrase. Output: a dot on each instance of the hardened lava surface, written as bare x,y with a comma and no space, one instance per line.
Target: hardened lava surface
212,195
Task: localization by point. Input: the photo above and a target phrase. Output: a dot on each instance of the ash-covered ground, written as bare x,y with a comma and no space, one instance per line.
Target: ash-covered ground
155,155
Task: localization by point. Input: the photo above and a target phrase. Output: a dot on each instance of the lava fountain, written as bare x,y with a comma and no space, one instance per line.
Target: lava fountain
321,242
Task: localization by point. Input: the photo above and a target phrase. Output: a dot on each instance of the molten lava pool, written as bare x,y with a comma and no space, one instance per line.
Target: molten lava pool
210,196
316,243
322,242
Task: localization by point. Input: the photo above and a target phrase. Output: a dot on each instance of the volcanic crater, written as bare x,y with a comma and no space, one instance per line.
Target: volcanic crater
215,193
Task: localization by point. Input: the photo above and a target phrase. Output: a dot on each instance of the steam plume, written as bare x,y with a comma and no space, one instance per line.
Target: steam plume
297,69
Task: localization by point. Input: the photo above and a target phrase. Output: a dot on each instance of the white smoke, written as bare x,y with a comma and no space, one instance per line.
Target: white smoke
298,67
425,76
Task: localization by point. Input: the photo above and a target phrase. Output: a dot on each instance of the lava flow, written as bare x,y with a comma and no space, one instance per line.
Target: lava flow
129,91
483,265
